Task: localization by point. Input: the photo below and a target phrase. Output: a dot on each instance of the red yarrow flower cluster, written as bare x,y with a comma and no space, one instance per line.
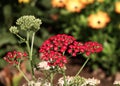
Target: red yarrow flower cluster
58,43
14,57
76,47
54,58
92,47
88,48
53,49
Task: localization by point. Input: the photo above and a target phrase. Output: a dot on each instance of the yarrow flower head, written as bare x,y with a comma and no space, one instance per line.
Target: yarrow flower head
117,83
87,48
91,82
55,47
54,59
44,65
14,57
14,29
39,82
29,23
68,80
76,47
57,43
77,81
92,47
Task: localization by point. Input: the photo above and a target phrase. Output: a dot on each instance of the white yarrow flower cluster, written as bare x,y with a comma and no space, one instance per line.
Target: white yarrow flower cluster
116,83
38,83
61,80
44,65
91,82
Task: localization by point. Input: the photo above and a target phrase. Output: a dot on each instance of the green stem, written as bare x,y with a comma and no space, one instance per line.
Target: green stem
22,73
20,37
27,42
30,51
64,77
51,79
82,67
32,42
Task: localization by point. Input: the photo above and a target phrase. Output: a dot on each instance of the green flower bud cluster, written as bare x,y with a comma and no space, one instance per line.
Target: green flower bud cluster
14,29
77,81
29,23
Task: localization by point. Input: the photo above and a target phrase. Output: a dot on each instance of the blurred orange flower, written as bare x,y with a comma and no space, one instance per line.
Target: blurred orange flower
58,3
74,6
86,1
23,1
117,7
98,20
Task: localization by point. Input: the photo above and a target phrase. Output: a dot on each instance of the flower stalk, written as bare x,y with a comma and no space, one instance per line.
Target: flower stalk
82,67
64,77
51,79
30,51
18,67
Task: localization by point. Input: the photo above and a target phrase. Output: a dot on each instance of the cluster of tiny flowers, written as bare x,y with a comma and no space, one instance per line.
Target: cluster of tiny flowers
117,83
29,23
14,57
75,48
78,81
92,47
57,43
54,48
14,29
54,58
37,83
43,65
91,82
87,48
61,80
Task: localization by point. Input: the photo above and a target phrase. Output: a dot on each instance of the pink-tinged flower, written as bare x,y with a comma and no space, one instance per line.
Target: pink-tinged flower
14,57
58,43
92,47
54,59
43,65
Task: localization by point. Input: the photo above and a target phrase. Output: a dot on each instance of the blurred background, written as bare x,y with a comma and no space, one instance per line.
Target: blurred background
86,20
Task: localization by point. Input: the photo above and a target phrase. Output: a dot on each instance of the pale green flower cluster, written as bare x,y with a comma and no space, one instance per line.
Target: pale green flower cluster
71,81
29,23
78,81
61,80
14,29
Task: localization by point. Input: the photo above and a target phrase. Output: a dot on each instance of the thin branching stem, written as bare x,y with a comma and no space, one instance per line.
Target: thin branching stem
82,67
18,67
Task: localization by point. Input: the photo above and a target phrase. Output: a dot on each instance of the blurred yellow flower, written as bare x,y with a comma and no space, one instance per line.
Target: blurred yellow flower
86,1
100,1
74,6
117,7
98,20
58,3
23,1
